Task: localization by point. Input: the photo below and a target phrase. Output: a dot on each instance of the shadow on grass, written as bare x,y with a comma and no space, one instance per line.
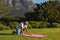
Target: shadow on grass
5,34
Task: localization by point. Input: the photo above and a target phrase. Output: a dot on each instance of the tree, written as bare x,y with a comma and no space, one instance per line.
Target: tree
48,11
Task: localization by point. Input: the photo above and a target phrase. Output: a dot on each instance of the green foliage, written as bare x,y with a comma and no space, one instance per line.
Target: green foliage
38,24
34,24
47,12
57,25
21,18
44,16
3,27
29,26
13,25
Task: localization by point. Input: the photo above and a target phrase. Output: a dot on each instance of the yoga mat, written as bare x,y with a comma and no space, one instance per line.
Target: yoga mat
33,35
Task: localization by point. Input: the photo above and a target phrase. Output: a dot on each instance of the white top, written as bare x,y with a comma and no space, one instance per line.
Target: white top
20,25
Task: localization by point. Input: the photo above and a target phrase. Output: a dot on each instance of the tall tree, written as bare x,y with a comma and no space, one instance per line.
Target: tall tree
48,11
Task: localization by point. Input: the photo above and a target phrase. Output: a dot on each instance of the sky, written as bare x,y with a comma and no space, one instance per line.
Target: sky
39,1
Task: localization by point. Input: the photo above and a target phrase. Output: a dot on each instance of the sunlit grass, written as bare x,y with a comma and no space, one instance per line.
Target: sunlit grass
51,34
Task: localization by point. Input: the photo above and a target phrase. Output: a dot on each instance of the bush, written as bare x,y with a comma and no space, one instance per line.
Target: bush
45,25
3,27
12,25
29,26
21,18
38,24
34,24
57,25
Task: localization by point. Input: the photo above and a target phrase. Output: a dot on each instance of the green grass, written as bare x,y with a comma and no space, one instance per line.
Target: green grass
51,34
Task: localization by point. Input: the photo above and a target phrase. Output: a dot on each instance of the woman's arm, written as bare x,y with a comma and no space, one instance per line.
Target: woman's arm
27,29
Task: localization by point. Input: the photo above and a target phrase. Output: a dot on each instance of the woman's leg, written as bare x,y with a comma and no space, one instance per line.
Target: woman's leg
16,31
19,30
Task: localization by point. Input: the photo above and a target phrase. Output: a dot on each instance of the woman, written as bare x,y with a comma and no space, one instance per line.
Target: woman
25,27
21,27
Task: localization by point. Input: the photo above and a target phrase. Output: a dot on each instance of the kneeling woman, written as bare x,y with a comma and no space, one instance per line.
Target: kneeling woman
21,27
25,27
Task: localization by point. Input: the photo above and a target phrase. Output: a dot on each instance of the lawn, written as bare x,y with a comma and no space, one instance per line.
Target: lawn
51,34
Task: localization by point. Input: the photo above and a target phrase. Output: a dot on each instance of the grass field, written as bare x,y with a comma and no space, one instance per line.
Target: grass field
51,34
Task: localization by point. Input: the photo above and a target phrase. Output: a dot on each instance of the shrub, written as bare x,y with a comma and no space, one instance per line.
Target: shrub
21,18
12,25
3,27
57,25
34,24
29,26
38,24
45,25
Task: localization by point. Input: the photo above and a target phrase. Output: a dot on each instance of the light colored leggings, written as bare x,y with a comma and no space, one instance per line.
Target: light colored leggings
18,31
